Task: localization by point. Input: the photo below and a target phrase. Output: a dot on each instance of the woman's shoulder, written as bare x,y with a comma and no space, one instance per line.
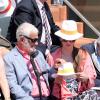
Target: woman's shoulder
3,51
57,51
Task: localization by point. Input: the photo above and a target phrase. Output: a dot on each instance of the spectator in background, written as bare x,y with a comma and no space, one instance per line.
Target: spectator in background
80,88
94,50
24,64
35,12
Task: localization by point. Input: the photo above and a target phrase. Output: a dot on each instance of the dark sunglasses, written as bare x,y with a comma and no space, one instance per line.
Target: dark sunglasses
68,40
32,40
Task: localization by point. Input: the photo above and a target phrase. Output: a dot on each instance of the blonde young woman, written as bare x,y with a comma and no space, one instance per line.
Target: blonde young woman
80,88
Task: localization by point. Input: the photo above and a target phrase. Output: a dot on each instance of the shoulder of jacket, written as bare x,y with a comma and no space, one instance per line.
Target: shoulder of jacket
89,48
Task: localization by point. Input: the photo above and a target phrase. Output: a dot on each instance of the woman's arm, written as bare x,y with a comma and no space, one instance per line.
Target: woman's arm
3,80
85,66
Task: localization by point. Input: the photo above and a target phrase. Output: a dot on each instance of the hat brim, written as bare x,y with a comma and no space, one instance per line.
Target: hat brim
68,37
4,42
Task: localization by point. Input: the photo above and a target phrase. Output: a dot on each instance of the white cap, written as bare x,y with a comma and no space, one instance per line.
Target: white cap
6,7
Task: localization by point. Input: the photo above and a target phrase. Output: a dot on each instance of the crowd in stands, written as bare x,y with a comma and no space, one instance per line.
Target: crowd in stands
29,69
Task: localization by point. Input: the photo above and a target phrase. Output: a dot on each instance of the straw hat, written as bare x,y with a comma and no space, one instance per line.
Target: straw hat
6,7
69,30
4,42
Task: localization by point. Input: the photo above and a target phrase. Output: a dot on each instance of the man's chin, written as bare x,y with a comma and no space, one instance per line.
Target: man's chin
32,49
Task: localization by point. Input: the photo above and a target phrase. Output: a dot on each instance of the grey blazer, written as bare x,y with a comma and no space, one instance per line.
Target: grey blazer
18,76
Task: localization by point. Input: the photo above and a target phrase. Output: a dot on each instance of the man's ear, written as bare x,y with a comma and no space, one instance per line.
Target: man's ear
22,39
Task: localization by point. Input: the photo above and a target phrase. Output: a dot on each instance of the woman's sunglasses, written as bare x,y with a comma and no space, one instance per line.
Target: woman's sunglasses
68,40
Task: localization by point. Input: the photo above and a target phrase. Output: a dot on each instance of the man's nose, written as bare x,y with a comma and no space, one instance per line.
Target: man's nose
36,43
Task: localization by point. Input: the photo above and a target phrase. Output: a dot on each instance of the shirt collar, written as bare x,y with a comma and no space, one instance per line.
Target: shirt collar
23,53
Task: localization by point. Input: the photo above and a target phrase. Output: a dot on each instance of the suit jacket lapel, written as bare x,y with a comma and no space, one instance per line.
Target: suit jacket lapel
19,57
36,8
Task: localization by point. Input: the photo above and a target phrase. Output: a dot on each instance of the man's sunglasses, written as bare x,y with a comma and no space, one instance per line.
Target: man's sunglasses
32,40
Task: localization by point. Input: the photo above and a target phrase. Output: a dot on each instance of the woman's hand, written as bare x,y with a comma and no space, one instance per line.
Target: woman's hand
59,62
82,77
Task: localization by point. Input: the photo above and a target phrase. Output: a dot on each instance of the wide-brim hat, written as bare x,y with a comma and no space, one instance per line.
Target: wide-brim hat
7,7
69,30
4,42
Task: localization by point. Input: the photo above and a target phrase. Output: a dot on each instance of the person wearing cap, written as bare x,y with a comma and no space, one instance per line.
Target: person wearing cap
33,11
94,50
82,63
4,87
6,8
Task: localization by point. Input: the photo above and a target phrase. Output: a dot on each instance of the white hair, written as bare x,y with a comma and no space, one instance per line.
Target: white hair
25,29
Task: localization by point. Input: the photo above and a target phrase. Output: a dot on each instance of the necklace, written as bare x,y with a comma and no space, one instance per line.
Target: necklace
66,57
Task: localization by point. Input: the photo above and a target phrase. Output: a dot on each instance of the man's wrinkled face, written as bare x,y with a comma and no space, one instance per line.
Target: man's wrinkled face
30,42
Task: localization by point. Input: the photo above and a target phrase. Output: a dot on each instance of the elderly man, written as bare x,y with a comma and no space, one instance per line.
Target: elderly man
94,51
27,70
37,13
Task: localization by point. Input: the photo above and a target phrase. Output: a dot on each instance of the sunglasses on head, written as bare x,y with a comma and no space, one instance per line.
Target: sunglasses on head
32,40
